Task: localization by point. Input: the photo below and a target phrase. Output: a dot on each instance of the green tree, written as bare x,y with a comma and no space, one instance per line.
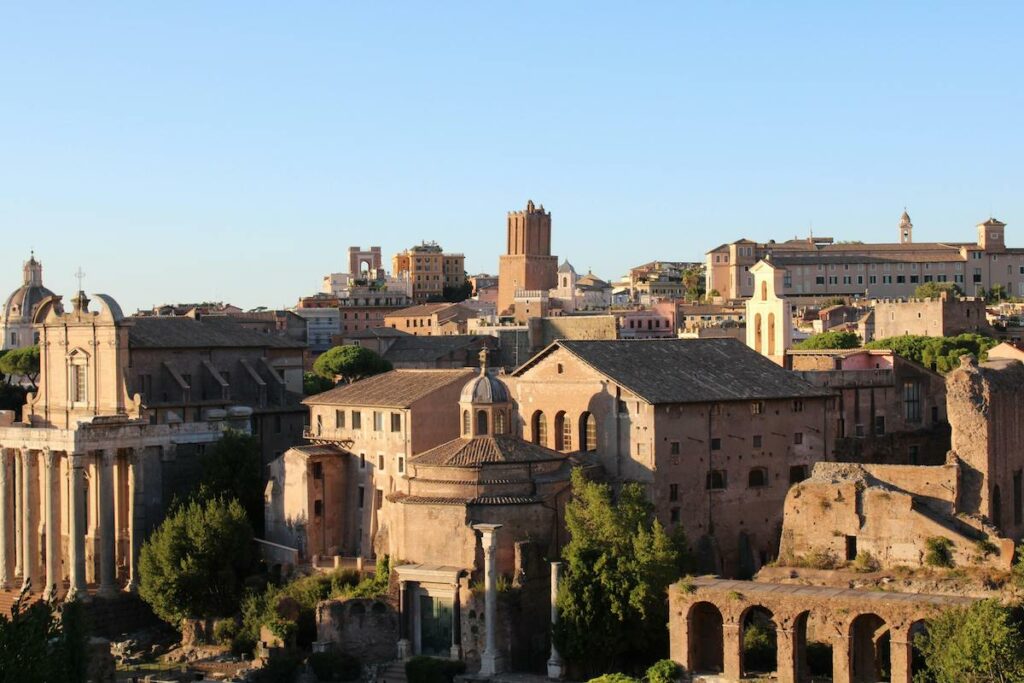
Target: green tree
456,294
619,563
996,293
830,340
315,384
23,362
975,644
233,467
933,290
193,564
350,363
941,353
43,642
693,280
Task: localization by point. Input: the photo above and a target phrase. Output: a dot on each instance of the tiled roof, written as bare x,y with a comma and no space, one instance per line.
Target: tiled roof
424,310
485,450
180,332
686,370
395,389
318,450
413,349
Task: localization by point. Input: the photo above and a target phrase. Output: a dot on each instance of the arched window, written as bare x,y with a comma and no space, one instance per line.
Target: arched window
764,290
499,422
771,334
588,432
465,422
757,332
563,432
757,477
78,377
539,429
481,422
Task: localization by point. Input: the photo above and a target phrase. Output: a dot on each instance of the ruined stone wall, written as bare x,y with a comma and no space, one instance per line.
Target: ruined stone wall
929,317
363,628
986,411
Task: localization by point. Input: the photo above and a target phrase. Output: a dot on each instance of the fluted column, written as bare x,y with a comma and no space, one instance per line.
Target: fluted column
108,535
76,529
556,669
5,522
51,503
29,521
490,661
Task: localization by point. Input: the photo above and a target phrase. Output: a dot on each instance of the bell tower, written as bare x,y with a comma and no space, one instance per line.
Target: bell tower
906,228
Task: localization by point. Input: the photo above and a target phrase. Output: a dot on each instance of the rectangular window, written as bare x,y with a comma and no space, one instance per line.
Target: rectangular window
716,444
872,279
378,421
318,470
914,279
757,441
798,438
78,387
879,425
798,405
380,462
819,280
912,401
339,419
362,461
396,422
318,508
357,419
362,497
673,448
757,407
673,492
674,515
901,279
401,464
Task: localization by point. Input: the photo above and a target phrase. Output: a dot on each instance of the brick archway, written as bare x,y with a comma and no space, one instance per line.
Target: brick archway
870,632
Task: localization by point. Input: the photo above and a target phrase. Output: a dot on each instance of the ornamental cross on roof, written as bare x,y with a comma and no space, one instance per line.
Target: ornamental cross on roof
80,275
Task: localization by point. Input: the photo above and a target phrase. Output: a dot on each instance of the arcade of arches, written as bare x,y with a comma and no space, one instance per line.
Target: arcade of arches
870,632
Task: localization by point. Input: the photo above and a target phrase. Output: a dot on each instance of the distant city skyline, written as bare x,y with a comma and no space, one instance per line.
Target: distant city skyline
231,152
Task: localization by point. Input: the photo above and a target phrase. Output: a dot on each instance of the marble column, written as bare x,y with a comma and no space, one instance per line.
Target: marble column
5,522
135,518
456,651
29,521
404,651
491,660
19,505
76,529
556,668
52,512
108,535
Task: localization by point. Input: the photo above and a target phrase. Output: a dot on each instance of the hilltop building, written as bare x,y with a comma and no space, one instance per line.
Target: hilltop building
430,271
527,264
821,267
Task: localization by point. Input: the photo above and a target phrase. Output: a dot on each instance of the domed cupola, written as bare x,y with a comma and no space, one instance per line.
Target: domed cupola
16,315
484,404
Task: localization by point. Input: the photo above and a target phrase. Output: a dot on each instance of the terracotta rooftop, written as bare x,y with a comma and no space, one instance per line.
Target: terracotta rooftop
447,309
395,389
180,332
415,349
485,450
319,450
686,370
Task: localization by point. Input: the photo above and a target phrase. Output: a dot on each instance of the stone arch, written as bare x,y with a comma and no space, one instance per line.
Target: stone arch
758,640
869,653
481,422
539,428
705,627
757,332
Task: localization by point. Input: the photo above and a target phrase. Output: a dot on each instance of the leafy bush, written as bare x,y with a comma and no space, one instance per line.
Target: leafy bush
614,678
350,363
974,644
939,552
334,666
941,352
663,671
865,562
986,547
42,642
758,648
371,587
194,562
225,631
422,669
829,340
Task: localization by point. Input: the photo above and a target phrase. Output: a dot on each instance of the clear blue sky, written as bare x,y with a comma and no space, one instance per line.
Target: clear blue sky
234,150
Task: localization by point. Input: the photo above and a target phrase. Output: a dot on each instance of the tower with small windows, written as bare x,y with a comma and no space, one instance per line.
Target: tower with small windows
769,324
484,405
906,229
992,235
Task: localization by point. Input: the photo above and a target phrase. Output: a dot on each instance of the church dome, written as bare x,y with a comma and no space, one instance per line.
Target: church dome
22,302
484,388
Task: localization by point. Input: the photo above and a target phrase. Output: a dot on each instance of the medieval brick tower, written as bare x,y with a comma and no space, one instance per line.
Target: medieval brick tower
527,263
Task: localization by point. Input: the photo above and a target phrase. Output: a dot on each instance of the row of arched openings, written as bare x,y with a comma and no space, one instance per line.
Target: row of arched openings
560,437
500,423
869,643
